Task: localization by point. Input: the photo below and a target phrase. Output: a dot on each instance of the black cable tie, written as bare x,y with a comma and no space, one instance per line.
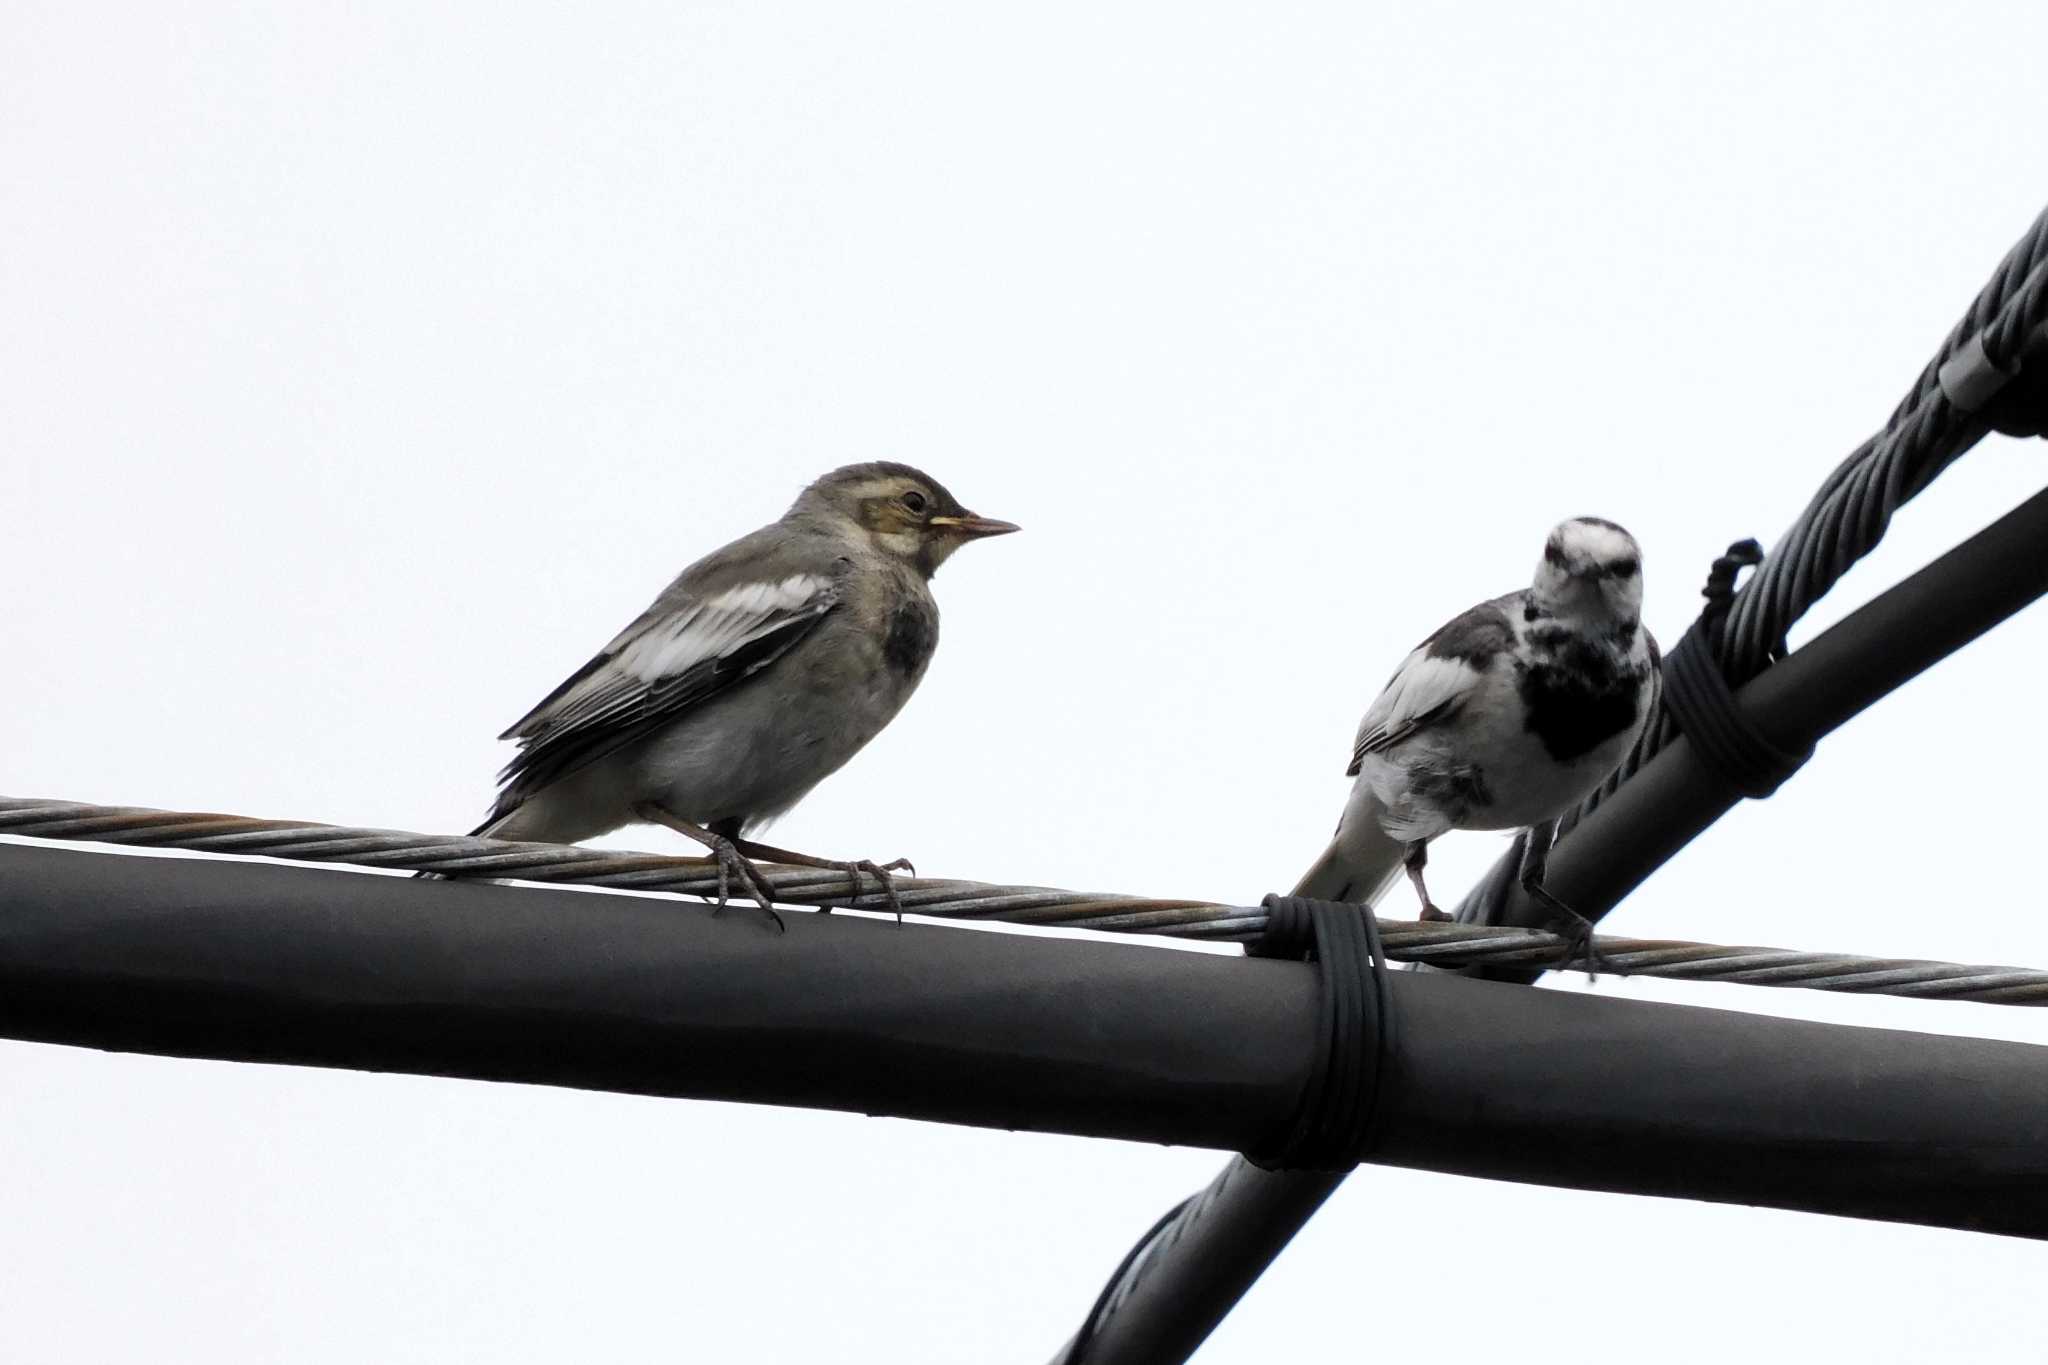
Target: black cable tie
1337,1124
1697,696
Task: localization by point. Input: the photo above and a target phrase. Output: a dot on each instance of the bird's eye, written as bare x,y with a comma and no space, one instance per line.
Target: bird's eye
1624,568
914,500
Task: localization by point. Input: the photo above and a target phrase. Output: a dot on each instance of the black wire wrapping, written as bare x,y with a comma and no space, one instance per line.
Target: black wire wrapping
1700,703
1338,1122
1337,1125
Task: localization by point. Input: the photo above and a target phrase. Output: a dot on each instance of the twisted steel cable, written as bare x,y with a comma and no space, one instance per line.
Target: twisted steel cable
470,856
1848,515
1405,940
1850,512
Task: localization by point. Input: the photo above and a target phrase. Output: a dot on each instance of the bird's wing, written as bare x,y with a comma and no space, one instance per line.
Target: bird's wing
709,631
1424,692
1435,679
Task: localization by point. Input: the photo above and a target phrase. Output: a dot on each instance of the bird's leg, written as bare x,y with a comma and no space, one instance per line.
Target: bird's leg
725,851
1536,842
1417,858
879,871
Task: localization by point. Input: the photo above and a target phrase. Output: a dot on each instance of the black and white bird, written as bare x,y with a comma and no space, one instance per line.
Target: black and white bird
755,675
1505,718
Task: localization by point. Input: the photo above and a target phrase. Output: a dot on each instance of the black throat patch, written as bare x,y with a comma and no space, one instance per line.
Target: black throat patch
1577,695
913,635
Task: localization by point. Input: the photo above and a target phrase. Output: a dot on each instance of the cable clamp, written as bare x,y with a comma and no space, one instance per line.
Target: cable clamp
1970,378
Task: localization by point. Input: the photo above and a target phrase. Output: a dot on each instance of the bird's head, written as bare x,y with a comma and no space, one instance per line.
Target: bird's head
1592,566
903,512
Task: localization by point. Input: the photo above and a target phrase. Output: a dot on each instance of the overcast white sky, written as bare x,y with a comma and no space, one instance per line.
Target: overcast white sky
363,368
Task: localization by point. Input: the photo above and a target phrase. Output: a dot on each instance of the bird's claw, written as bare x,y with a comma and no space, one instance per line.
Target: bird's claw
725,853
1432,913
853,868
1577,935
880,872
730,863
1578,947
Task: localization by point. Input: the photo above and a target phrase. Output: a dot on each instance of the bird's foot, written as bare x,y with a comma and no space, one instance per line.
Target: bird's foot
1413,861
1578,948
1577,931
853,868
726,854
732,863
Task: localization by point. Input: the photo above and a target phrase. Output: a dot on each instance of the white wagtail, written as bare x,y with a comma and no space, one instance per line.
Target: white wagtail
1506,718
755,675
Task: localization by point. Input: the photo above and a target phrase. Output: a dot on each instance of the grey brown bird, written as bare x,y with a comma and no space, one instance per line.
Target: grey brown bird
1505,718
756,674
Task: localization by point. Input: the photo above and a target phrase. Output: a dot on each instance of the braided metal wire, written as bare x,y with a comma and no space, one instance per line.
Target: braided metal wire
470,856
1405,940
1849,514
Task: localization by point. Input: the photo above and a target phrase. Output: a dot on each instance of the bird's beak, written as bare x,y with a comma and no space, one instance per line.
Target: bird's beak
970,527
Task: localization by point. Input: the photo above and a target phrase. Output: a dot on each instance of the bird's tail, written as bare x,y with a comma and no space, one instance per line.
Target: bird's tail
1362,861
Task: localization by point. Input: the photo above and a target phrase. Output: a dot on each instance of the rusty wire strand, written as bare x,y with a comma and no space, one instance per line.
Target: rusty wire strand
1444,945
